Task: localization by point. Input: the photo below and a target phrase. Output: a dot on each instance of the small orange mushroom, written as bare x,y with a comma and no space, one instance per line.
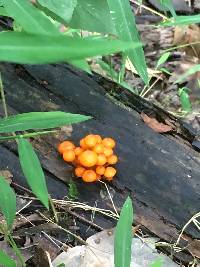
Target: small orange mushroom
88,158
66,145
69,155
110,173
92,158
89,176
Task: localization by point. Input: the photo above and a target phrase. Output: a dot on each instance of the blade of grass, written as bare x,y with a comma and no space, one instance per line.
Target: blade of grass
123,236
182,20
29,17
126,29
62,8
33,171
168,5
92,16
185,99
7,201
25,48
39,120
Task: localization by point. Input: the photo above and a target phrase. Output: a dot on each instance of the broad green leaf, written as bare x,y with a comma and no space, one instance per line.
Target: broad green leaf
33,171
7,201
182,20
39,120
123,236
163,59
5,260
190,72
92,16
25,48
126,29
157,263
29,17
185,99
62,8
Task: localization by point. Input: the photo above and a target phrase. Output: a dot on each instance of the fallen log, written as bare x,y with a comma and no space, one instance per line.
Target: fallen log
160,172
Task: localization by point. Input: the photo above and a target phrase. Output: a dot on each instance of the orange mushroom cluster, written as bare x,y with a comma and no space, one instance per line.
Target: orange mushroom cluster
92,159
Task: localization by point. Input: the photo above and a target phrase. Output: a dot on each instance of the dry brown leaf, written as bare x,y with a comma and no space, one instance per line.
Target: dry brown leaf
155,125
151,72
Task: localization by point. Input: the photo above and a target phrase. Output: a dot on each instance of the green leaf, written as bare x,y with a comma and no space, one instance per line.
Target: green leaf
39,120
113,75
5,260
92,16
33,171
126,29
157,263
29,17
163,59
81,64
190,72
123,236
185,99
25,48
73,190
7,201
62,8
3,12
168,5
182,20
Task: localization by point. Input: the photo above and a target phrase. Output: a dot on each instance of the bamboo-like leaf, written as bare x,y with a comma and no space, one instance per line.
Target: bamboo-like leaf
185,99
5,260
33,171
7,201
126,29
39,120
92,16
81,64
123,236
182,20
25,48
29,17
163,59
62,8
168,5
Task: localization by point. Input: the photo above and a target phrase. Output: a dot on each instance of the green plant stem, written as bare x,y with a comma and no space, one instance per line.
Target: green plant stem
3,98
123,68
11,241
53,209
16,249
180,46
10,137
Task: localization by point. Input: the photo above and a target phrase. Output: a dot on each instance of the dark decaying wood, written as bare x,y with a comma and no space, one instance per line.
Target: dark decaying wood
161,172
